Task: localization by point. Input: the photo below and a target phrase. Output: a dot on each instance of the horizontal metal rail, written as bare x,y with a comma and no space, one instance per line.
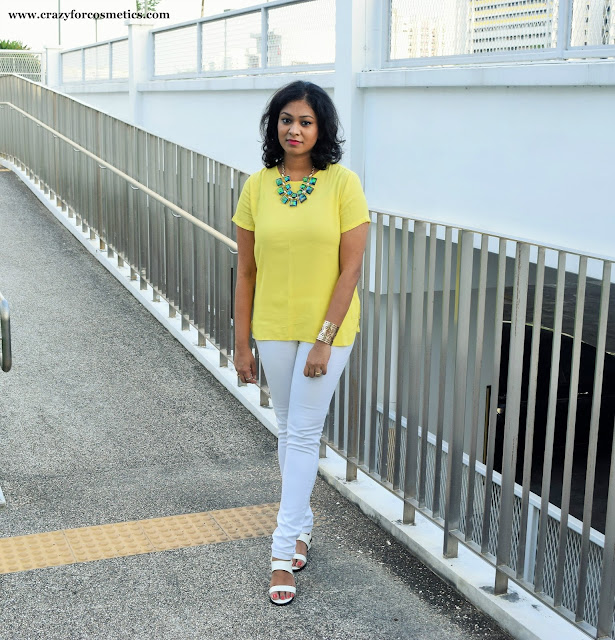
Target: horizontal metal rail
6,359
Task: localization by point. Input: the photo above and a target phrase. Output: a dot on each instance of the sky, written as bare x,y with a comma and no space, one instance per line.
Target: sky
36,33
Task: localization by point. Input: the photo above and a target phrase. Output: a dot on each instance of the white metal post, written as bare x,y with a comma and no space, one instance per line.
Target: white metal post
138,64
264,38
350,46
53,67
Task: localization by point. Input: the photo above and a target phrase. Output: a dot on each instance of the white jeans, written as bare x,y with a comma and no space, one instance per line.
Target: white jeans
301,405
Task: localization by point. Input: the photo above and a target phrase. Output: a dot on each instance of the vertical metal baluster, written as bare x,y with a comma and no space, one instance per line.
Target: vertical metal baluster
159,258
495,389
388,340
217,266
170,243
90,172
341,420
550,429
419,241
124,193
446,298
151,258
224,281
211,258
531,413
104,185
238,182
145,173
199,248
123,137
513,405
463,300
354,400
110,191
401,352
594,429
365,339
185,230
570,431
476,385
373,419
607,583
429,302
71,161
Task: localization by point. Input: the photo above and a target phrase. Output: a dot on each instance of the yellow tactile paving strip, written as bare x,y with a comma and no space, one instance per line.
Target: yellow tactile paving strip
68,546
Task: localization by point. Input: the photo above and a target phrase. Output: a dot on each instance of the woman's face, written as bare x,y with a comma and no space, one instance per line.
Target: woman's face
297,129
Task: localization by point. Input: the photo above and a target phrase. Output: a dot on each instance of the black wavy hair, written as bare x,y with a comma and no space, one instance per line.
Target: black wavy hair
328,147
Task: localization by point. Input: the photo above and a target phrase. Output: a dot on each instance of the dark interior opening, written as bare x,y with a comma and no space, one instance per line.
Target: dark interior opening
583,417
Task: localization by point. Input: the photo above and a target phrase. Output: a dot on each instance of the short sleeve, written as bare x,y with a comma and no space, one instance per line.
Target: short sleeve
243,214
353,208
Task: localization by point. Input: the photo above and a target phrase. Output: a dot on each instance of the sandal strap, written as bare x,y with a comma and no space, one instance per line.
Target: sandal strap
277,588
307,538
300,556
282,565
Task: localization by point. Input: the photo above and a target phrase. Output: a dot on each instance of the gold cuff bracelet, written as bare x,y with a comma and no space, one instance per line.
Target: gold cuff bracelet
328,332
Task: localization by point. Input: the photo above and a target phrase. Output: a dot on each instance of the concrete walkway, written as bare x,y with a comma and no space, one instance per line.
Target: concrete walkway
105,418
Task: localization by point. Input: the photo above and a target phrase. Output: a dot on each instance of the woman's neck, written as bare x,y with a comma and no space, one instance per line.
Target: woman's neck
297,168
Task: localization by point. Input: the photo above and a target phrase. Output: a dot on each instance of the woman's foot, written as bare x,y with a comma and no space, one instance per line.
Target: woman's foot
300,549
304,543
282,578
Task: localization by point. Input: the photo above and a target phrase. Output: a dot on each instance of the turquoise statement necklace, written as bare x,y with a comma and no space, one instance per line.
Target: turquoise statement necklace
291,197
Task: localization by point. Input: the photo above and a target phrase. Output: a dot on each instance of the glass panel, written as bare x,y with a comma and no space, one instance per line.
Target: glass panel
119,51
97,63
425,28
175,51
233,43
593,23
71,66
302,34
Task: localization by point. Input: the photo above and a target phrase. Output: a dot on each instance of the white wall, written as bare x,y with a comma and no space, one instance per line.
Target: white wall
532,162
111,100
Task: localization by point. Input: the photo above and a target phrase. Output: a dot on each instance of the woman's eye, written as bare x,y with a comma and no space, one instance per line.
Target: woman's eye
306,122
285,120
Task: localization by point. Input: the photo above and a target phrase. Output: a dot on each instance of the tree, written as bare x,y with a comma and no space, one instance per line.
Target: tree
143,6
13,44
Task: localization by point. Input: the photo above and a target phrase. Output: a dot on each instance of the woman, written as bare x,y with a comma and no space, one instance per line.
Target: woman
302,227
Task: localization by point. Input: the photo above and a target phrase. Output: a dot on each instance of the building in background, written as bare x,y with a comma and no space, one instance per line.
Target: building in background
505,25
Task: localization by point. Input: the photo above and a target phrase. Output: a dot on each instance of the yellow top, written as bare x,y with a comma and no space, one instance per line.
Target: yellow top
296,250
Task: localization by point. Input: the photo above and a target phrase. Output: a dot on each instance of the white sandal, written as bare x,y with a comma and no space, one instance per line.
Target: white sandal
282,565
307,538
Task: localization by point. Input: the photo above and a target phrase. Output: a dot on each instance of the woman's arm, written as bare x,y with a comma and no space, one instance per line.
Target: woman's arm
244,298
352,247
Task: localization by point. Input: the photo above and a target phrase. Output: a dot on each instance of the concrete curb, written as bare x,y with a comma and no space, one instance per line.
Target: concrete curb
518,612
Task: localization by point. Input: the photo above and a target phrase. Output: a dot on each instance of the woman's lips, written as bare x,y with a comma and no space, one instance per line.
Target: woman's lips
293,143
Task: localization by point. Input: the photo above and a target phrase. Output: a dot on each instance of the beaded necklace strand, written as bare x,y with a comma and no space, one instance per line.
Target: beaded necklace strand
291,197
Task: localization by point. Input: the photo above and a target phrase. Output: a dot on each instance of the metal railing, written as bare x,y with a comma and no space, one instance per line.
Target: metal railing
27,64
425,33
160,208
6,358
102,61
253,40
502,350
491,357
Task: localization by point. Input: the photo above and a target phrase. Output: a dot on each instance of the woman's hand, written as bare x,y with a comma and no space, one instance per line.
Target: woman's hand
245,365
317,360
